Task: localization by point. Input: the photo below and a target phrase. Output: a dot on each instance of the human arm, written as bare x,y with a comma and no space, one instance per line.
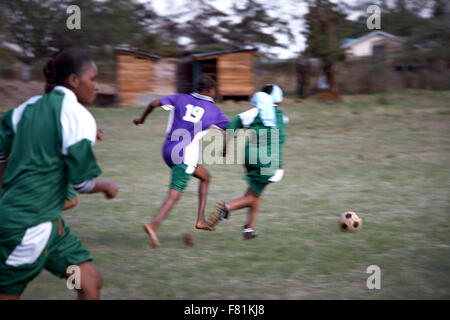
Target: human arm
109,188
99,136
2,170
79,135
229,135
6,137
70,203
86,171
230,132
83,170
148,110
71,198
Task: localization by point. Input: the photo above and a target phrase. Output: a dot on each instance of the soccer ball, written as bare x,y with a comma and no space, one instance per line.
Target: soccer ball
350,222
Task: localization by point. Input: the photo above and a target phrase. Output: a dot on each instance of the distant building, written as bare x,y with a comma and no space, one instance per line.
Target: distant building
142,77
135,74
376,43
231,69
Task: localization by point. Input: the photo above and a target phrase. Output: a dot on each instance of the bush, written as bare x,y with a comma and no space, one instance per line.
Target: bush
377,75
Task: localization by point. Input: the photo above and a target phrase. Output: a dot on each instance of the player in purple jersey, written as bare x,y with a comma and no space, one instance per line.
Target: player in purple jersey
190,118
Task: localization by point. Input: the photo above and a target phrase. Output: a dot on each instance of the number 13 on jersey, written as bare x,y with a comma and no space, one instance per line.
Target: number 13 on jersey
193,114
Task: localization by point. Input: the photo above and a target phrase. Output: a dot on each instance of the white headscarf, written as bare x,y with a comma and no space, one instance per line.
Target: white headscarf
276,94
264,103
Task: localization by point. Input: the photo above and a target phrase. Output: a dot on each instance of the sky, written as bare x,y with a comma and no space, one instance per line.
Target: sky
286,9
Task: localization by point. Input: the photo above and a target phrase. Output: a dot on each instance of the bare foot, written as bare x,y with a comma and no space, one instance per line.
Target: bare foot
203,225
152,234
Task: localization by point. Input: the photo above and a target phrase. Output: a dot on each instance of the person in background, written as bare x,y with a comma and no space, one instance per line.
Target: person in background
192,114
268,124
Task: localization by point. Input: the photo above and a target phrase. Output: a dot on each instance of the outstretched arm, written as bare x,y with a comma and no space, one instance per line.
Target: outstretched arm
229,135
230,132
107,187
148,110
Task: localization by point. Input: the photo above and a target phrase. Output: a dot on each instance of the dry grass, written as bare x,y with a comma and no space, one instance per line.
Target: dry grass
386,159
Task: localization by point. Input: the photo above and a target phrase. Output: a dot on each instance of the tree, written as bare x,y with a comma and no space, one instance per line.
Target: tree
197,22
323,22
31,23
39,26
154,43
399,17
254,27
432,37
3,22
247,24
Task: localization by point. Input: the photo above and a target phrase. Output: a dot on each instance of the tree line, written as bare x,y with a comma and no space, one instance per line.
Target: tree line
38,27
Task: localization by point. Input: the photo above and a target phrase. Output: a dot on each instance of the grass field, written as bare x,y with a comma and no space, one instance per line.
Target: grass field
384,156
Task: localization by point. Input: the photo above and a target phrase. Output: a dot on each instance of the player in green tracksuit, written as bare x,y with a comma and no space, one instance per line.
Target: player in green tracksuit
263,156
72,197
47,145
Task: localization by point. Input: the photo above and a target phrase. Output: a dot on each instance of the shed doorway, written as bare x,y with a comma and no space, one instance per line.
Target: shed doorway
208,67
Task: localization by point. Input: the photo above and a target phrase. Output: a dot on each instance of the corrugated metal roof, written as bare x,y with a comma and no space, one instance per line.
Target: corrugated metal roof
367,36
141,53
205,54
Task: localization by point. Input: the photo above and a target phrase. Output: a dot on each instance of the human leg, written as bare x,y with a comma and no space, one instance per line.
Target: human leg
253,211
249,230
22,258
66,251
223,209
150,228
172,198
179,181
246,201
252,201
203,175
91,281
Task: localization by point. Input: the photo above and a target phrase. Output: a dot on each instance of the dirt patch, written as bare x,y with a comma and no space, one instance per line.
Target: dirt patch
14,92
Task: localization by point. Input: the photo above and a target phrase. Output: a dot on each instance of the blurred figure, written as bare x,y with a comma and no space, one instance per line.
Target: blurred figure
192,114
265,116
72,199
47,144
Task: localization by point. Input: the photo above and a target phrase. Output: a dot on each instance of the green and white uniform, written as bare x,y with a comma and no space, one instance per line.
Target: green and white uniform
260,172
71,193
47,142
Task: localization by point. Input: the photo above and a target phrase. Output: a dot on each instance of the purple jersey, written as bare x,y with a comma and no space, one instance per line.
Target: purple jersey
190,118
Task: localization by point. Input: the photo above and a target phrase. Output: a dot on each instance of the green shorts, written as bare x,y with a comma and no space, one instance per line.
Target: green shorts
25,253
258,181
181,174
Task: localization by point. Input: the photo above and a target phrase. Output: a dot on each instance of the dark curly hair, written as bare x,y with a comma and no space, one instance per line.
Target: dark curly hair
204,82
268,88
62,66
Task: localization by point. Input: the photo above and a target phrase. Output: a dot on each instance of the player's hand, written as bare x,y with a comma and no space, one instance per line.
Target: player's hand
99,136
138,121
110,189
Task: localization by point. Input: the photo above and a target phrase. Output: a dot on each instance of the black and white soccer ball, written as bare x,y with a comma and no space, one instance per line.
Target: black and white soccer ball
349,222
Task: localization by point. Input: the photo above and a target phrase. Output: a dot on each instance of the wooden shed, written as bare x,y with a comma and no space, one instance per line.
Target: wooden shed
142,76
135,74
232,70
